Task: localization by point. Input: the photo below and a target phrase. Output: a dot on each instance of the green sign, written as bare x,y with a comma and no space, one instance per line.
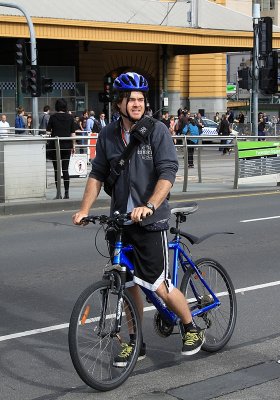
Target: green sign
259,161
231,88
258,149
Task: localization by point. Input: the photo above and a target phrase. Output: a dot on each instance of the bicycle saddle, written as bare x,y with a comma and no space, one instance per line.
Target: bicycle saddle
188,208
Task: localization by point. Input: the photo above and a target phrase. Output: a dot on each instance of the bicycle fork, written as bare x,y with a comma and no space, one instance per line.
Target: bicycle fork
116,274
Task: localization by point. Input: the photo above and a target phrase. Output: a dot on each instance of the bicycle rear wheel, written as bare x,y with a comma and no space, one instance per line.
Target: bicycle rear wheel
219,322
93,342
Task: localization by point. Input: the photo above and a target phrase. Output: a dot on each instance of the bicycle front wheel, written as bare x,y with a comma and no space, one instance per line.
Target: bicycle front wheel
93,340
218,322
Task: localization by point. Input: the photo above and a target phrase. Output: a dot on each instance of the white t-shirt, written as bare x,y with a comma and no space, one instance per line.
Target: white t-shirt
4,125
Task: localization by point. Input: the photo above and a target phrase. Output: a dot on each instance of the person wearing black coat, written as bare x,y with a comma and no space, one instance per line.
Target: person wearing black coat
61,124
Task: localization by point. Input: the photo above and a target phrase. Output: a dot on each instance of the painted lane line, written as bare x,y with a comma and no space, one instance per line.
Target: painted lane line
260,219
149,308
33,332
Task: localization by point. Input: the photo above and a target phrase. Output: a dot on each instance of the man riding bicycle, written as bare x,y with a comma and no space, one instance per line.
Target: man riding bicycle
141,188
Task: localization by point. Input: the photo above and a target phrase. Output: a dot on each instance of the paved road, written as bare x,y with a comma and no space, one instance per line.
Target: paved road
46,262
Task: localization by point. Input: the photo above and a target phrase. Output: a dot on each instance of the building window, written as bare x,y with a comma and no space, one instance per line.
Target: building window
267,5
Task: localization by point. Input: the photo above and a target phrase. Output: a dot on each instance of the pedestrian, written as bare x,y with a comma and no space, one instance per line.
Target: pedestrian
44,119
224,130
217,118
142,189
83,120
199,122
102,120
165,119
191,129
172,127
261,126
61,124
20,121
29,124
4,124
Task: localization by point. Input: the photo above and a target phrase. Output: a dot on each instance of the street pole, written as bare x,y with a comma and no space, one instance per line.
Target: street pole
33,52
255,69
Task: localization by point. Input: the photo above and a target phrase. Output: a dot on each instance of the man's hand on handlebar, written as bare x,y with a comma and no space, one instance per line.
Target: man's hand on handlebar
77,218
140,213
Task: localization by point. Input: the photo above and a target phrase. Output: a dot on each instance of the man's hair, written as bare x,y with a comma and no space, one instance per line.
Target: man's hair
46,108
61,105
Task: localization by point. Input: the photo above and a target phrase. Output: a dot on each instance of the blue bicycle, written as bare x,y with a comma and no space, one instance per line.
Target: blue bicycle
105,314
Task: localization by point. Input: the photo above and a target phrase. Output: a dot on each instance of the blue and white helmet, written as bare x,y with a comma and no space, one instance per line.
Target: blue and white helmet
131,81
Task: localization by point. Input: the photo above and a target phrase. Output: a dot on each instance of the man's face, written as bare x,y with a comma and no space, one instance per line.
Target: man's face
135,107
3,118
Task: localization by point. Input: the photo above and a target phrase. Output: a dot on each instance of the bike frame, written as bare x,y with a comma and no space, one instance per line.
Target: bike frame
121,257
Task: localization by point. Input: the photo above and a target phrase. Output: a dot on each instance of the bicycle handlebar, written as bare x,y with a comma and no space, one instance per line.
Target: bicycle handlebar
105,219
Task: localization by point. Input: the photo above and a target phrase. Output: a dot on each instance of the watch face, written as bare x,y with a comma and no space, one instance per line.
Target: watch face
150,206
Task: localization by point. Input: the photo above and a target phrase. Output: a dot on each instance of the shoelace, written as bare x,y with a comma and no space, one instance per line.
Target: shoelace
191,337
126,351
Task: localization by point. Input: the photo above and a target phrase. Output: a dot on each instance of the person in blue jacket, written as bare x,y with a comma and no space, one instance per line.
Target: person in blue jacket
193,130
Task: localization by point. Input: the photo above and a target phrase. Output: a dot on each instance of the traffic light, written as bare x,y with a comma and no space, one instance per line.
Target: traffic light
265,36
34,81
244,78
107,92
47,85
20,54
268,82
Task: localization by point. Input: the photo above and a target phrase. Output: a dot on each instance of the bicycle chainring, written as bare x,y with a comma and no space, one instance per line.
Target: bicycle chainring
162,327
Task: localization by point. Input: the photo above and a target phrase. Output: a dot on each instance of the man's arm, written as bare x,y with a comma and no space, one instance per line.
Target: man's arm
160,193
91,193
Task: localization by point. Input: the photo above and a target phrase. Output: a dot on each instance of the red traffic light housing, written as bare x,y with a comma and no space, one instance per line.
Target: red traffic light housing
34,81
20,54
269,74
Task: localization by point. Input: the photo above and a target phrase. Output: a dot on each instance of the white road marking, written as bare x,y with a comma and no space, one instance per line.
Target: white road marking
260,219
149,308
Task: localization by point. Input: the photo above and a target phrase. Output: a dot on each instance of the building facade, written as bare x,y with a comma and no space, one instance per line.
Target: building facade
185,66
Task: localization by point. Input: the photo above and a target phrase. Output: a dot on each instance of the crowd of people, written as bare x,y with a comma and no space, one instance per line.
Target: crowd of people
63,123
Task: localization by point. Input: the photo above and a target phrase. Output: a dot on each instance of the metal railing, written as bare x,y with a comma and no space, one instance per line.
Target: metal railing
208,167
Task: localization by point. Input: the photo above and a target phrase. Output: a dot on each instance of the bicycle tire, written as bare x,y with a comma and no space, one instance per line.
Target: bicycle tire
219,322
92,353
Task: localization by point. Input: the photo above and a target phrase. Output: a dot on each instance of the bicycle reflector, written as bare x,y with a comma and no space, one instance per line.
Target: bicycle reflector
85,315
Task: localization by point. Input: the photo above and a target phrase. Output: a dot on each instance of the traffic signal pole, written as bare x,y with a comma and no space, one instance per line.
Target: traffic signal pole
33,52
255,69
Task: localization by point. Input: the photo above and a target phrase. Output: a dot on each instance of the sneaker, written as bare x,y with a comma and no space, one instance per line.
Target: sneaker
125,355
192,341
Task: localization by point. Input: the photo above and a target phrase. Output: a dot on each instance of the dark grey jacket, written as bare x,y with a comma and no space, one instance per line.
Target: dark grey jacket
150,162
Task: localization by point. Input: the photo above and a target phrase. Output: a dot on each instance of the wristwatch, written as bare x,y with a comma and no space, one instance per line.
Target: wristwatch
150,206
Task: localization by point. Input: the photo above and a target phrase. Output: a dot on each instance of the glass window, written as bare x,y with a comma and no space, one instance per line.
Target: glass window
9,104
267,5
68,92
80,89
8,92
80,105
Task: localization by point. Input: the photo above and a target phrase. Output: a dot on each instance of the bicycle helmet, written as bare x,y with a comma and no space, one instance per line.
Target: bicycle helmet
131,81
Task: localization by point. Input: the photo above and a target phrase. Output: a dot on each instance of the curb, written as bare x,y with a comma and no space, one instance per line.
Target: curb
45,206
